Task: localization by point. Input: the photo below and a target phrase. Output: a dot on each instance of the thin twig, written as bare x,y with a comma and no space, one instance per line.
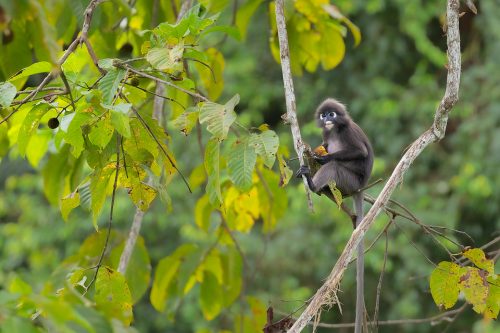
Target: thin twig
381,278
110,220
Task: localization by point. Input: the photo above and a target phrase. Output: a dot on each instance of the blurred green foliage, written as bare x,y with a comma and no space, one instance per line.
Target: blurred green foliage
391,82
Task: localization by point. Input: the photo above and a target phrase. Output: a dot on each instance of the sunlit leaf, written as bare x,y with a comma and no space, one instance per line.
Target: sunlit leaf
30,125
444,283
68,203
7,93
112,295
120,118
219,117
241,162
168,59
35,68
38,146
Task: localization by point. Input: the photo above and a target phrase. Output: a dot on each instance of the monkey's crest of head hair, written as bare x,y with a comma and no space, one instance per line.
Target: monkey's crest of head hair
328,105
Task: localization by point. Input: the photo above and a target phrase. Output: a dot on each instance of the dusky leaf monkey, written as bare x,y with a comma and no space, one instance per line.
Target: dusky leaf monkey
348,163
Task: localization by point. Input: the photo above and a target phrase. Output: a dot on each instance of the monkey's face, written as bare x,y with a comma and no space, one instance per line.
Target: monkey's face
327,118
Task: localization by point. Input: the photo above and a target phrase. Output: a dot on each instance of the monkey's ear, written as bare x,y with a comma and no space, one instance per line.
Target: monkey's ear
320,151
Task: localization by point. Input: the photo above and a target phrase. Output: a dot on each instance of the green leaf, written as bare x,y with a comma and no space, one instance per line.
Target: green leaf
102,131
110,83
212,161
54,174
72,126
211,297
219,117
112,295
475,287
337,195
478,258
231,31
38,146
138,274
36,68
120,118
244,15
30,125
444,283
168,59
106,63
7,93
266,145
68,203
186,121
332,51
232,266
162,290
241,163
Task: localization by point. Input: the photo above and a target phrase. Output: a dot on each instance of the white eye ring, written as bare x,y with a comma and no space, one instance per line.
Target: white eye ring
333,114
321,116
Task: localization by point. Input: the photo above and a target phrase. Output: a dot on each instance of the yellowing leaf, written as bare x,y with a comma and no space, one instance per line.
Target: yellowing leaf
102,131
142,195
186,121
331,47
244,222
478,258
285,171
211,73
493,300
444,283
202,212
112,295
99,182
68,203
244,14
474,285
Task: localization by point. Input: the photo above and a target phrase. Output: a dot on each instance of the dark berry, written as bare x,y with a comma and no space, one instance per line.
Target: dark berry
53,123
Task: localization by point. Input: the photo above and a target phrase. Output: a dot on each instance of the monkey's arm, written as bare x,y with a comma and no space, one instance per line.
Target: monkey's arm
343,155
304,171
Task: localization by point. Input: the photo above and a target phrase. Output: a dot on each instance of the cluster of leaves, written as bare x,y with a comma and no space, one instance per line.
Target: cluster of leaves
316,31
479,284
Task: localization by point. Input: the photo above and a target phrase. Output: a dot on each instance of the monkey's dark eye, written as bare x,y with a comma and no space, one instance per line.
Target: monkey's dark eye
332,114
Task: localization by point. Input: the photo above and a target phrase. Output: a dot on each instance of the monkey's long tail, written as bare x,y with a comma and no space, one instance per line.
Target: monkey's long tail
360,268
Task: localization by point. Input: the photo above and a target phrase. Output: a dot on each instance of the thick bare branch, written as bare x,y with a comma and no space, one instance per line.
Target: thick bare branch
291,114
326,293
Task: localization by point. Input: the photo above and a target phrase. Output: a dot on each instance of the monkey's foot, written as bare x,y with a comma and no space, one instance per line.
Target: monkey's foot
303,170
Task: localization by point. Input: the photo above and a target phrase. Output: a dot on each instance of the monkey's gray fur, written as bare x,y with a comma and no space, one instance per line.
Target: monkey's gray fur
349,164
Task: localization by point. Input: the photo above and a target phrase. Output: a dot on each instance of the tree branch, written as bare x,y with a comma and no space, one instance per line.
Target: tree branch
291,113
326,295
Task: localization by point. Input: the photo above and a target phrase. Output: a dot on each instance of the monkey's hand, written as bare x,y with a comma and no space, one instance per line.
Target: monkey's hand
303,170
324,159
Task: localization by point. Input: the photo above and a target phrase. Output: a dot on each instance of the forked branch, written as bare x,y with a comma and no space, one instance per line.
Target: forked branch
326,293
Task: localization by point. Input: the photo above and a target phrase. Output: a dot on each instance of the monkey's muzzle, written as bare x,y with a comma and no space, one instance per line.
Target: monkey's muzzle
328,124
